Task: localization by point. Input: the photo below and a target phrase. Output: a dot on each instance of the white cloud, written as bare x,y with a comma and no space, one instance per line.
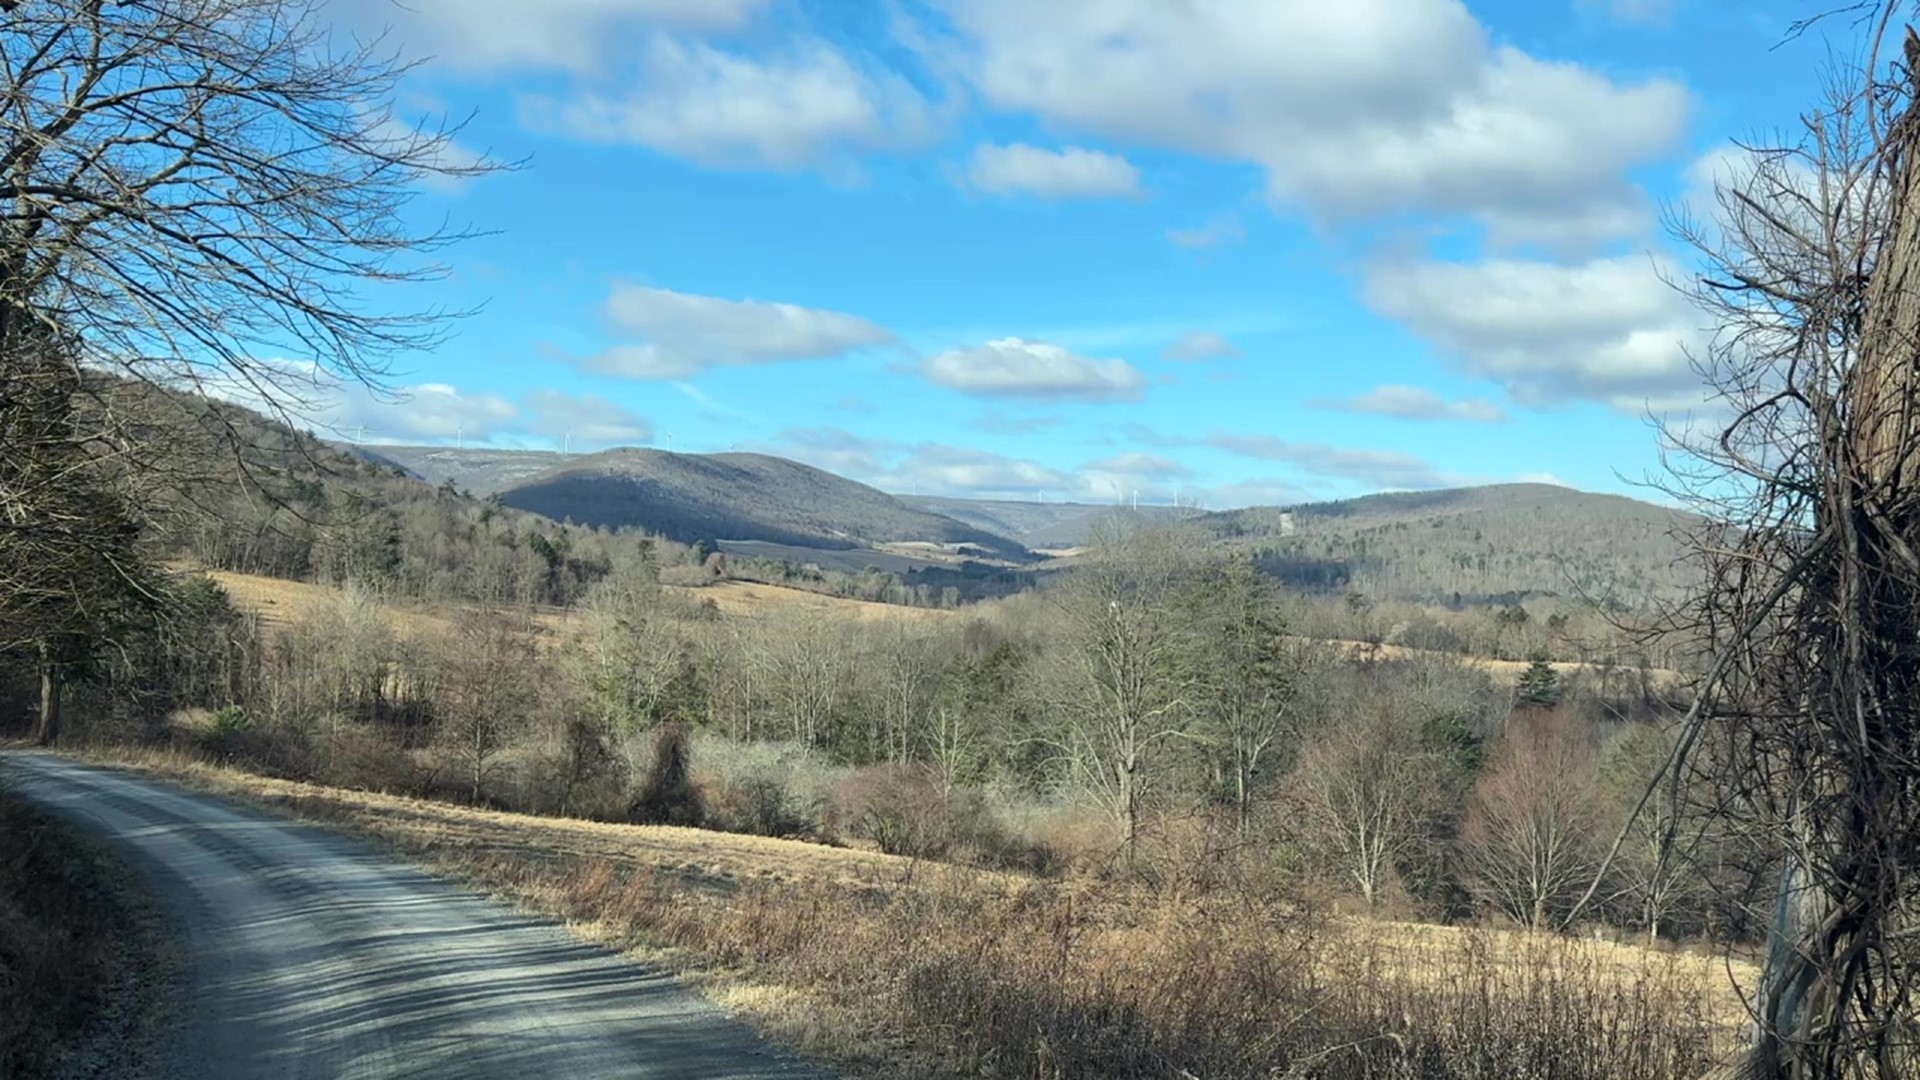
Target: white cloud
585,420
487,36
1415,403
1224,229
332,407
962,471
1017,368
934,468
1607,330
1359,109
794,110
1200,345
1379,468
1258,491
1071,172
684,333
1134,463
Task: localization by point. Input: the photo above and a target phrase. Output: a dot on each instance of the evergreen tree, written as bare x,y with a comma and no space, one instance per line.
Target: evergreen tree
1539,685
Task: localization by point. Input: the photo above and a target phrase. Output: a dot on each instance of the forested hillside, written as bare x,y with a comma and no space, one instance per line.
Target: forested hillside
693,497
1469,546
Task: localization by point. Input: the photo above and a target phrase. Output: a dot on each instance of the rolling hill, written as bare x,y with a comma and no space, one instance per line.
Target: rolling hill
481,471
691,497
1488,544
1479,545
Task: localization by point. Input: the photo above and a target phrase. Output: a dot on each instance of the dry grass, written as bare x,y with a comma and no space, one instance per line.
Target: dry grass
753,599
74,944
280,602
903,969
1503,672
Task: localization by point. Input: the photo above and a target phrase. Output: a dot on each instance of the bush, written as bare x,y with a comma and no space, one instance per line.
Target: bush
226,732
905,810
765,789
669,796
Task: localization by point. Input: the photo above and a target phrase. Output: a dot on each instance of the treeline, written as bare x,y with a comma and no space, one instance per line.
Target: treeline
1157,695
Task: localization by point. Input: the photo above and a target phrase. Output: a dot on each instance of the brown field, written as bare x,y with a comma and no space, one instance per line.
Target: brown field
888,967
1504,672
280,601
753,599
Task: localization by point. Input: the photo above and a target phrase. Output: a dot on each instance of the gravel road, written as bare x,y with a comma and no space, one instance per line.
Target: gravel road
307,954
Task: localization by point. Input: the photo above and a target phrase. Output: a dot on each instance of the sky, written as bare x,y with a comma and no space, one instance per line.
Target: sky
1232,252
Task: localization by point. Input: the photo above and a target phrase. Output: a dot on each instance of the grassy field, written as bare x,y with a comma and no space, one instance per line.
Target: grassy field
889,967
280,601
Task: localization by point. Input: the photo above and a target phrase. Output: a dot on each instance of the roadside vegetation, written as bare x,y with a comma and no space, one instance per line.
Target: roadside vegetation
1168,814
897,967
77,951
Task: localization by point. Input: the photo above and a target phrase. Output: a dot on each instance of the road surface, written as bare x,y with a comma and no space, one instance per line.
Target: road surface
309,955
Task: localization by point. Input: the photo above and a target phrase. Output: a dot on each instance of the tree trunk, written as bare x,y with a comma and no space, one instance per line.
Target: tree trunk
47,730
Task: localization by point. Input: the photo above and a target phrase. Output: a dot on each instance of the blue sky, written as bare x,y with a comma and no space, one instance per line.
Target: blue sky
1238,251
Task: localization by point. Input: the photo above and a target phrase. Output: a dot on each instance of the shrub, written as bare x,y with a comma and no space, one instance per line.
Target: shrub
905,810
669,796
765,789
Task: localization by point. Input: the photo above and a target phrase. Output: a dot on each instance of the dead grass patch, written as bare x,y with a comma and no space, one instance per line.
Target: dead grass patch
897,968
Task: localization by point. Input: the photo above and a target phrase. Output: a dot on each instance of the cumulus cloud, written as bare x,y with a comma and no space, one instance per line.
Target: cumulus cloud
490,36
349,409
937,468
1379,468
428,412
1200,345
1257,491
1415,403
961,470
793,110
1138,464
1017,368
1607,330
684,333
1353,110
1071,172
585,420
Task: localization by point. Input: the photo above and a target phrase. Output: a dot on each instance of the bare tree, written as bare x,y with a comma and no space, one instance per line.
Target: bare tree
1530,838
488,688
1122,680
1812,596
186,186
1370,793
191,185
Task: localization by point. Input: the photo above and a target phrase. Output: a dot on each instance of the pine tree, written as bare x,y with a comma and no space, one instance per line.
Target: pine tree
1539,684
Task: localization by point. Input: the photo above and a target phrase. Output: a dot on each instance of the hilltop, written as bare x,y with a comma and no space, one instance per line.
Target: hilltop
693,497
1491,544
1478,545
479,471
